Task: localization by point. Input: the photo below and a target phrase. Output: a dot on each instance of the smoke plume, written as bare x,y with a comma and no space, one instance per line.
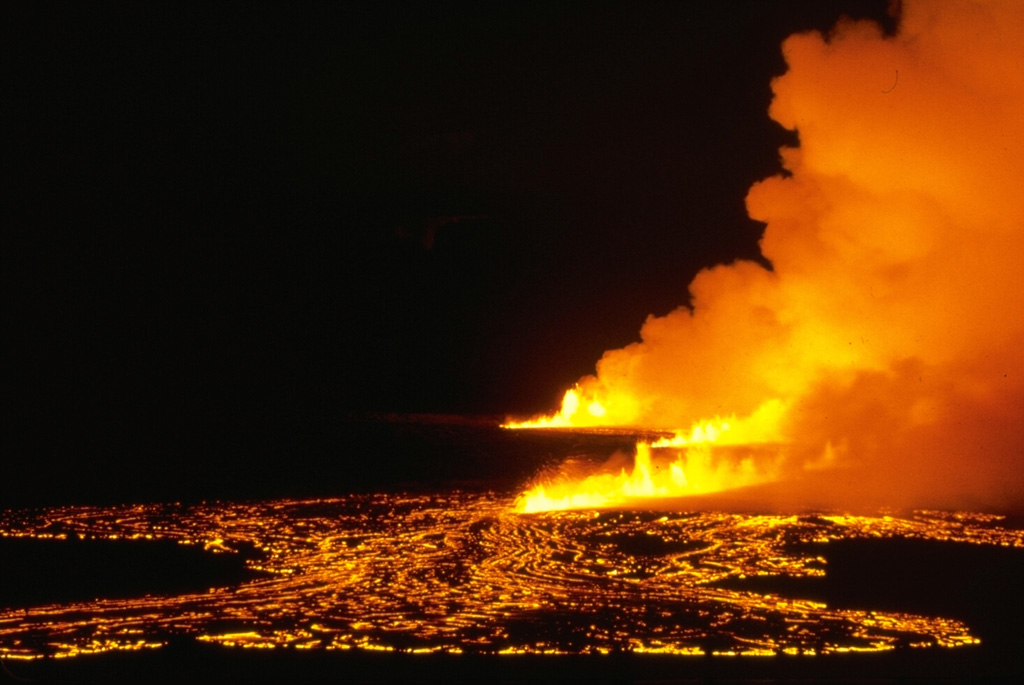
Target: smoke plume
889,326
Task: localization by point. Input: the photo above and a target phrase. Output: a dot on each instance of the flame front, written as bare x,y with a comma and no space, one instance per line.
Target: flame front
687,463
885,336
647,478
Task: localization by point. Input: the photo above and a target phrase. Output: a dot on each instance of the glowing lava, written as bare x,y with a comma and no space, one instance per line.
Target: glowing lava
712,456
459,573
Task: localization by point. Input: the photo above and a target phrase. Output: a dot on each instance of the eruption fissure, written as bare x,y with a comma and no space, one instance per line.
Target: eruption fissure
884,337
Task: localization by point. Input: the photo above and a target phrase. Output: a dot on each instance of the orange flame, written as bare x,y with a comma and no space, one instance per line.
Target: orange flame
694,471
695,464
889,323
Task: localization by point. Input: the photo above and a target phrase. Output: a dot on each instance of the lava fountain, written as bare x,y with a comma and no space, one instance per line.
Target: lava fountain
881,345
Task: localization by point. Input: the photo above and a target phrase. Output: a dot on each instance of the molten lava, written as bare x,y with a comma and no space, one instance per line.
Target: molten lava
457,573
884,338
712,456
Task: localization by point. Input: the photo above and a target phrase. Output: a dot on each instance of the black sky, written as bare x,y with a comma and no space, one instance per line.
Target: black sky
226,222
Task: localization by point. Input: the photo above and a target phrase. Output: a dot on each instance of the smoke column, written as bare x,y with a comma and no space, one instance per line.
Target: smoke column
888,330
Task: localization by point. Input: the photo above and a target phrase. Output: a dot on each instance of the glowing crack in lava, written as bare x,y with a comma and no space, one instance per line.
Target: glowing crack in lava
884,339
462,573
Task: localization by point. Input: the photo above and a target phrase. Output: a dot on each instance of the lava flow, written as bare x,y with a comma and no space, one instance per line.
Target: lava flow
712,456
460,573
883,339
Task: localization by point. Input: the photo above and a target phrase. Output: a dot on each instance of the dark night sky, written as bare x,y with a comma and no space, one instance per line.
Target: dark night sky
226,223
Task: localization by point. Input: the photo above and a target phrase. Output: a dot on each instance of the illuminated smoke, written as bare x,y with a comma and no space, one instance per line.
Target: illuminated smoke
889,329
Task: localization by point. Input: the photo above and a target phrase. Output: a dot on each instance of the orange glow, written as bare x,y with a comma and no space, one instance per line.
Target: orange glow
885,339
461,573
572,414
697,470
687,463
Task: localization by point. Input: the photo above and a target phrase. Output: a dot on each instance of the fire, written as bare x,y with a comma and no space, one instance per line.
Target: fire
690,462
565,418
884,338
694,471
